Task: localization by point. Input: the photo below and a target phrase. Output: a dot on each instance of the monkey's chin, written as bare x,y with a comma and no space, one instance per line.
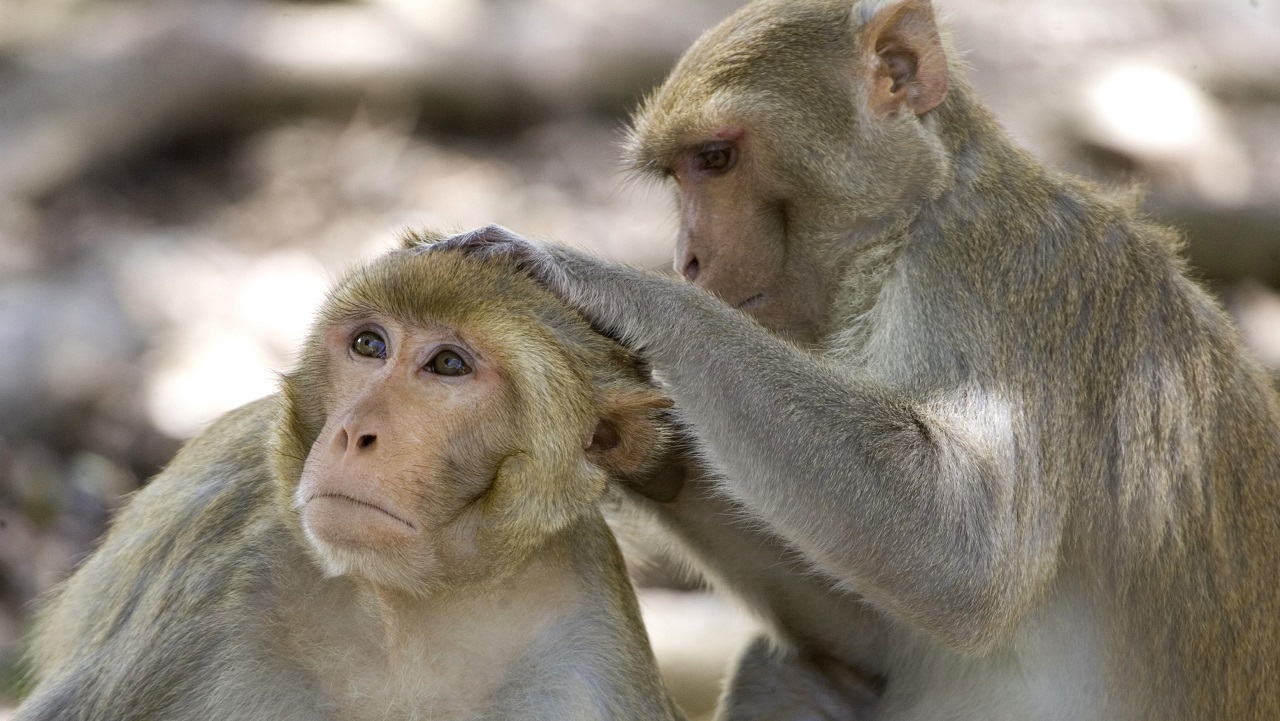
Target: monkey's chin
387,570
345,522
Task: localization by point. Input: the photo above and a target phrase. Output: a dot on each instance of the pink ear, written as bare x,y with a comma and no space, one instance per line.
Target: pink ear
904,63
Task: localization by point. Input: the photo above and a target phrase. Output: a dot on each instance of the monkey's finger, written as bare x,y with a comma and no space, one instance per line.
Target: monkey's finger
493,241
546,264
486,240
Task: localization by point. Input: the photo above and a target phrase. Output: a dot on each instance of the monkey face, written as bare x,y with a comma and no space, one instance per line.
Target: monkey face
452,416
788,156
733,238
378,491
740,213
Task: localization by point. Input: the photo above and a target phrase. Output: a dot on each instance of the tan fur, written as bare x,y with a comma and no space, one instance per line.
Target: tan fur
1095,399
1006,461
220,593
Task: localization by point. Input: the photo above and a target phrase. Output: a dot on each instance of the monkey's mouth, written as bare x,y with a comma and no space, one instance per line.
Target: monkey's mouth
749,302
342,498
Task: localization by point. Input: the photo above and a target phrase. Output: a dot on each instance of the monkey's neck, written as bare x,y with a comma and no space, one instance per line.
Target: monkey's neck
503,616
990,177
396,652
990,184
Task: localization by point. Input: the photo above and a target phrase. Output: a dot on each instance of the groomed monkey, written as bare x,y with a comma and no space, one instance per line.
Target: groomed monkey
409,530
997,454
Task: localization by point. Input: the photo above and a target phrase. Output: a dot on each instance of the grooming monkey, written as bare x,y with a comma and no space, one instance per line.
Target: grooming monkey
997,454
408,530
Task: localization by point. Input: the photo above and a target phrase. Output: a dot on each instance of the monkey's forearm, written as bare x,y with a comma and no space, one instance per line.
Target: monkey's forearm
751,562
863,480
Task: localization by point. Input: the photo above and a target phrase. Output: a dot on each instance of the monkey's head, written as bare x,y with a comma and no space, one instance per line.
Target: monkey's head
448,415
794,131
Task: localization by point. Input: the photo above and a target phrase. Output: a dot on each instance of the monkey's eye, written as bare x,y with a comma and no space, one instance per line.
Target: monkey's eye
448,363
369,344
716,159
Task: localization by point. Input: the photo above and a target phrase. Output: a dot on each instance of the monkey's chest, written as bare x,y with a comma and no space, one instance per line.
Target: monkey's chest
416,677
438,663
1052,669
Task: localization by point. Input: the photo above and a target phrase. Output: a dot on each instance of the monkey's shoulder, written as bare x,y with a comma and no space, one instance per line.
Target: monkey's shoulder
239,439
172,586
182,526
219,484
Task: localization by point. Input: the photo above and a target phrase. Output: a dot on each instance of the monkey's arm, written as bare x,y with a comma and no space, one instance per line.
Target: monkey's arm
769,685
909,502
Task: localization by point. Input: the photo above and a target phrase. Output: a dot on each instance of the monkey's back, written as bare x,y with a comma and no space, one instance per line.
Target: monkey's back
158,620
1154,432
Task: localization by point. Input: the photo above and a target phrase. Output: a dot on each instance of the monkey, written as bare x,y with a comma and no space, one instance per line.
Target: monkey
409,529
973,433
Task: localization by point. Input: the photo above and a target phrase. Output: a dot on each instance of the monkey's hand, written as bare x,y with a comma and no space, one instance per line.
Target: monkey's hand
492,241
539,260
616,299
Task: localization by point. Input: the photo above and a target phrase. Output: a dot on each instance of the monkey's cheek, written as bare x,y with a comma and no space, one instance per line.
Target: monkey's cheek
349,524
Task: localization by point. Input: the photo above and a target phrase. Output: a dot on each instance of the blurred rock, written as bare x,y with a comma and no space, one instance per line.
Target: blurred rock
1256,309
62,338
1162,122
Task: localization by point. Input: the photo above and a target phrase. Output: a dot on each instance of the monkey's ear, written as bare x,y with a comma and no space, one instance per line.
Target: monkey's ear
902,58
630,433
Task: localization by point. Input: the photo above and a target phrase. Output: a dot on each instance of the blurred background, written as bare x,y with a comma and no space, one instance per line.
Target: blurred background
181,180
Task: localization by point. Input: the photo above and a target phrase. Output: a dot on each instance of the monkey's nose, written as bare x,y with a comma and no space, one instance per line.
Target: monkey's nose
691,269
348,442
